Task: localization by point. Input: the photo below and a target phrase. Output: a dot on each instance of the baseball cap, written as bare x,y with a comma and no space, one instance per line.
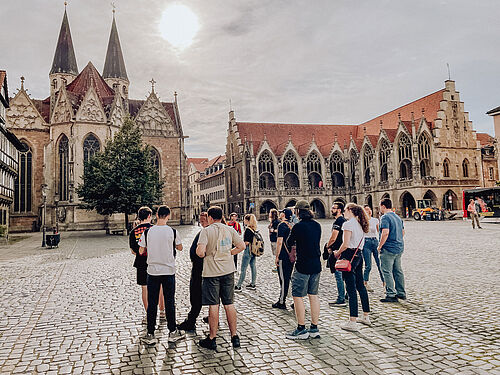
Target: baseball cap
288,212
302,205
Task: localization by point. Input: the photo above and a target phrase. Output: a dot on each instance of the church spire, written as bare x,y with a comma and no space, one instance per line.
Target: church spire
114,67
64,58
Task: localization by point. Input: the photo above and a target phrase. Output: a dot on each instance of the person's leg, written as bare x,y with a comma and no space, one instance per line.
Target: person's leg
367,256
273,248
281,277
340,286
168,284
244,265
300,310
399,277
253,269
377,260
231,317
194,295
213,320
287,275
360,286
350,285
472,216
153,295
477,221
162,299
144,290
387,264
299,290
314,301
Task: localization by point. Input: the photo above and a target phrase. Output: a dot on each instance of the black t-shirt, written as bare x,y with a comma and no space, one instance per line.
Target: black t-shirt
306,235
283,232
337,225
248,236
273,236
197,261
133,239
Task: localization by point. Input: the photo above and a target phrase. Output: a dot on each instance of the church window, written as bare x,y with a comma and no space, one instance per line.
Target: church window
424,152
266,171
405,157
290,171
367,161
385,152
353,162
465,168
64,168
91,146
23,183
314,174
155,159
446,168
337,169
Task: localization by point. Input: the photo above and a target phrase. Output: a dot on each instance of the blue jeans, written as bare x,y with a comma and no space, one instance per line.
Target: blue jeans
245,261
340,286
370,248
393,273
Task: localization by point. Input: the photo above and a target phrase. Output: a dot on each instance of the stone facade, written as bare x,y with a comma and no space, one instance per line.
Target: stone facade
426,149
212,188
495,113
84,111
196,166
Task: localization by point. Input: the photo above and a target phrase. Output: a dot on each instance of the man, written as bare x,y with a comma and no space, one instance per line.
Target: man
285,267
333,244
160,241
391,248
306,235
195,281
474,213
233,222
144,215
215,246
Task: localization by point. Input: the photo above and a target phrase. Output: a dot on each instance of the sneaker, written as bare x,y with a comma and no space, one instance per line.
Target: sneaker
175,336
275,270
400,296
337,303
314,333
251,286
236,341
368,287
145,320
302,334
149,339
186,326
237,289
292,306
350,326
163,317
205,319
389,299
208,343
346,297
365,319
278,305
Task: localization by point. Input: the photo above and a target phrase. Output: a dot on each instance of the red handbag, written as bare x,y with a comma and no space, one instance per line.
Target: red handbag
344,265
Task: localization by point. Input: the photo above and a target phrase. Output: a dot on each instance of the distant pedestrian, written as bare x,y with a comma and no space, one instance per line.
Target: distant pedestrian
370,249
144,222
283,261
273,231
195,281
215,246
305,235
233,222
250,223
161,242
391,247
473,213
354,230
333,244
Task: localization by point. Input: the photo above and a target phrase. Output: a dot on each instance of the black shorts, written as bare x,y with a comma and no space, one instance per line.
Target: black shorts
217,289
142,276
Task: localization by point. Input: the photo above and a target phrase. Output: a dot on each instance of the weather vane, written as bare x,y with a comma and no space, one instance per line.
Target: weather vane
152,84
65,4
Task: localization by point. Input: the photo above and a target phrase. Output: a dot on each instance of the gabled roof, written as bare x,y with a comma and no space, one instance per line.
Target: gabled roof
135,105
43,106
64,57
199,163
114,66
493,111
485,139
216,160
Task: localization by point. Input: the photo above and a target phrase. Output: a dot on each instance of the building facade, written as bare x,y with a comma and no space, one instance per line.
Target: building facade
196,167
212,187
426,149
495,113
489,159
83,111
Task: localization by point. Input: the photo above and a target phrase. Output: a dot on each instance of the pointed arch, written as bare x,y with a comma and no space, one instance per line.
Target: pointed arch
23,185
353,162
314,170
91,146
367,162
337,169
465,168
266,171
155,160
405,157
446,168
63,152
384,155
424,155
291,171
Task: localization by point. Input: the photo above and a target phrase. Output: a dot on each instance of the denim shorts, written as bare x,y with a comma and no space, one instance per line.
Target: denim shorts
303,284
217,289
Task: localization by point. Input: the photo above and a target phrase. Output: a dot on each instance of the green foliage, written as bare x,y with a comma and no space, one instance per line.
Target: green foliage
121,178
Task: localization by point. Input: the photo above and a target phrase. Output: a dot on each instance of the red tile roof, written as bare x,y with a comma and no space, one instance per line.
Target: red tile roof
43,106
485,139
87,78
199,163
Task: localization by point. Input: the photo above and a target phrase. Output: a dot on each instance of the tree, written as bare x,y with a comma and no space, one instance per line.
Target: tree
122,177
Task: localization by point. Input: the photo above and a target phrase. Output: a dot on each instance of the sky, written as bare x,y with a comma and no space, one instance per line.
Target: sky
292,61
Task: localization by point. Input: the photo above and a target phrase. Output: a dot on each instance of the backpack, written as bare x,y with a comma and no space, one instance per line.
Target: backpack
257,245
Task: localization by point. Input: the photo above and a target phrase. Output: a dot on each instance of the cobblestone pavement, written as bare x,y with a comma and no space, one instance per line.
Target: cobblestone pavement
76,309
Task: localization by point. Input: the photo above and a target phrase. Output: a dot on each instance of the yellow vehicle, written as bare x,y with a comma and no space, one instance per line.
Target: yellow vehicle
424,208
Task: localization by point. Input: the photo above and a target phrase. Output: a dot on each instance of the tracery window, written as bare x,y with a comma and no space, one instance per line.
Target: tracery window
155,159
64,168
91,146
353,162
384,154
337,169
266,171
290,171
24,181
405,157
424,155
314,175
367,160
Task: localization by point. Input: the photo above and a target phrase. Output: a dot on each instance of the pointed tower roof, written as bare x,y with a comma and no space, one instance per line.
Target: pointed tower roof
64,58
114,67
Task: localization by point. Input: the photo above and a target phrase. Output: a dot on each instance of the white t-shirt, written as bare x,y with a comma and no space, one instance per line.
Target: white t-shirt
357,234
373,232
160,247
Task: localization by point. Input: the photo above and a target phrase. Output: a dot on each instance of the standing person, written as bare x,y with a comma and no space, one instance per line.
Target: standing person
333,244
305,235
370,248
353,239
161,242
283,263
250,223
233,222
391,247
195,281
215,246
473,213
144,222
273,231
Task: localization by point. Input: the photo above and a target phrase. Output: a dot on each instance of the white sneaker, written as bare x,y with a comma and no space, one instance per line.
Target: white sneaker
365,319
175,336
350,326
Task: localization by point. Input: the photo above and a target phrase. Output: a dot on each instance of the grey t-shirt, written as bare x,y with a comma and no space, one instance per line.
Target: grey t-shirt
160,245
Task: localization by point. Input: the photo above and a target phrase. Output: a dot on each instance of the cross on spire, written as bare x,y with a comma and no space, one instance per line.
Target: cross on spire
65,4
22,82
114,7
152,84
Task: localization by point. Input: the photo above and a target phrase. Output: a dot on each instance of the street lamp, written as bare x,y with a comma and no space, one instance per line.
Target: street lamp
56,201
44,200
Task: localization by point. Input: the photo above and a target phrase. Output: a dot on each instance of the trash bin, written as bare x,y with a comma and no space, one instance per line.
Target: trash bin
52,240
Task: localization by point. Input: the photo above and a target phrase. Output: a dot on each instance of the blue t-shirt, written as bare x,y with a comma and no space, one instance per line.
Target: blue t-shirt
393,222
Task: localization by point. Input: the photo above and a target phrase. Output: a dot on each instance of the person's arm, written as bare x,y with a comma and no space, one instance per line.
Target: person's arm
332,239
383,238
291,237
201,250
279,244
239,243
345,243
142,243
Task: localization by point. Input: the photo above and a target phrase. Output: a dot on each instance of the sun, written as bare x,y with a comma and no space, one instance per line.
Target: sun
179,25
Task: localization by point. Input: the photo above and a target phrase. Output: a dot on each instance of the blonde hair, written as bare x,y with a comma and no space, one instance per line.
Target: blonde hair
252,221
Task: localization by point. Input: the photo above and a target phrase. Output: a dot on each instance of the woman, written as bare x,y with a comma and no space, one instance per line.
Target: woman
353,237
273,231
250,223
371,244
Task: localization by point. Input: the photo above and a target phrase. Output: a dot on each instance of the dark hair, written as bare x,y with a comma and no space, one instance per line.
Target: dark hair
274,214
386,202
163,211
144,213
305,215
204,214
340,206
360,215
215,212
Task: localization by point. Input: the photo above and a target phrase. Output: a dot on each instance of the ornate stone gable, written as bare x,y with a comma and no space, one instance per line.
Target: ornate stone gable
154,119
117,113
63,111
91,108
23,114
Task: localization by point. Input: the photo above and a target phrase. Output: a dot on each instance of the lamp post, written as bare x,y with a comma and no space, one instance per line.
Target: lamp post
56,201
44,200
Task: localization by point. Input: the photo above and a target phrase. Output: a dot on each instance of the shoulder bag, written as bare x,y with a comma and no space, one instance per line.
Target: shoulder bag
344,265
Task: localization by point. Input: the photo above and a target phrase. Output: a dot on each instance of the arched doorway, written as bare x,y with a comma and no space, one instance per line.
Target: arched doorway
265,207
369,201
318,208
291,203
315,180
429,194
450,204
291,181
407,204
